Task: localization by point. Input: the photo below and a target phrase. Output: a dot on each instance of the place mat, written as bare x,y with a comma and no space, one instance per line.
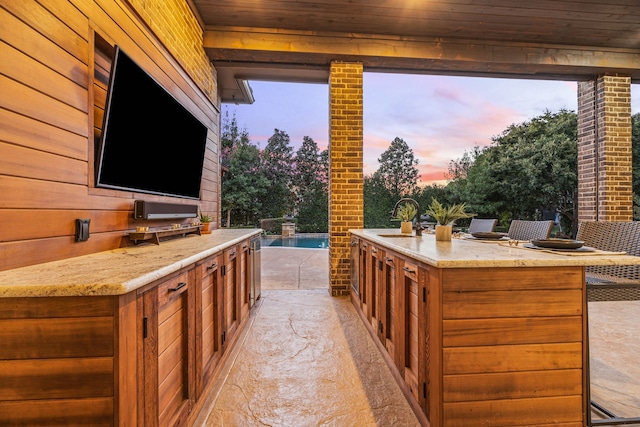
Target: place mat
582,251
478,239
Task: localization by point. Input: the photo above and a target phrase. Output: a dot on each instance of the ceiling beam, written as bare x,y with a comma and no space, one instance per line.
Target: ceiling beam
254,47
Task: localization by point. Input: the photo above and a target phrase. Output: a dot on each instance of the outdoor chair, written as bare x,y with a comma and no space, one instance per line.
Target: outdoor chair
611,282
529,230
482,225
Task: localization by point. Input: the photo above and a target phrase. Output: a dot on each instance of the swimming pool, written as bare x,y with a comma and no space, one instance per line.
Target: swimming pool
313,241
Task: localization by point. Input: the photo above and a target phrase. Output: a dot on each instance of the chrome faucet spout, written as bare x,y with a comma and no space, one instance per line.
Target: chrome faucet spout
418,225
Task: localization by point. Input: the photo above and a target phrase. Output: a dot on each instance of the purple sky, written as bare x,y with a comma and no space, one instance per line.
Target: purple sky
439,117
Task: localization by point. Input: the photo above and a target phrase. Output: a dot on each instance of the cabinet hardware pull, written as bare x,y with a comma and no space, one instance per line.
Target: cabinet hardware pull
408,270
374,251
145,330
354,243
212,266
245,246
180,286
233,253
388,259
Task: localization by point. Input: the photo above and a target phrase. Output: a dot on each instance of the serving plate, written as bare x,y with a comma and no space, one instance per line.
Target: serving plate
488,235
557,243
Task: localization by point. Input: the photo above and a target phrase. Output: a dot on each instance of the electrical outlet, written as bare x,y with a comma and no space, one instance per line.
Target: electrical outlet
82,229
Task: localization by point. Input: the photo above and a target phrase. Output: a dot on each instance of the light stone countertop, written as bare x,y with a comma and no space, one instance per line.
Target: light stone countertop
118,271
473,253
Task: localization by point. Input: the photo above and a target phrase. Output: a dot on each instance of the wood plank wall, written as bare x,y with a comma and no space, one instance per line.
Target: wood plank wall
51,108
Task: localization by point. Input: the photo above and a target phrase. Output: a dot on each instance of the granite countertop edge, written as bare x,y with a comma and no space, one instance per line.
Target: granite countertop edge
118,271
462,253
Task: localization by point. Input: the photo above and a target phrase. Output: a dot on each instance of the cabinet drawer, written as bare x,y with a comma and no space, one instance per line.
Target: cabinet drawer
389,259
410,270
210,264
230,254
374,251
172,288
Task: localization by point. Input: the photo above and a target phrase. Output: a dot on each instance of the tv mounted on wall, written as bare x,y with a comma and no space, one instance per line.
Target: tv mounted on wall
150,143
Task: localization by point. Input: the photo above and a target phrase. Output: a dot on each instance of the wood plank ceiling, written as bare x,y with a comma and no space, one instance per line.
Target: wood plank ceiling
295,40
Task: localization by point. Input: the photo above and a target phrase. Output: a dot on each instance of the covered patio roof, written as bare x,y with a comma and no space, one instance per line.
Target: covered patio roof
295,40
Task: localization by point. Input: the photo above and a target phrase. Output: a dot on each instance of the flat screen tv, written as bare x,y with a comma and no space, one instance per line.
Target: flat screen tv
150,143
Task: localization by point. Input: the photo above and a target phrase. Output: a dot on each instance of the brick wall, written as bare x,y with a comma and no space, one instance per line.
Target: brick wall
604,149
175,24
346,199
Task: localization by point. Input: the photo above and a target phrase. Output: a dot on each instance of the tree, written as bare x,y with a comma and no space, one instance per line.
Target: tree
277,161
310,186
529,169
244,186
309,169
378,202
398,169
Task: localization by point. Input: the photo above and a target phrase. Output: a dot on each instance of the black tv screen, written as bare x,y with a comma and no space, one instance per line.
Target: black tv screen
150,143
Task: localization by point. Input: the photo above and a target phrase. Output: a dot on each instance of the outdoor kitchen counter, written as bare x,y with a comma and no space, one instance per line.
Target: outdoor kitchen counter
473,253
478,333
118,271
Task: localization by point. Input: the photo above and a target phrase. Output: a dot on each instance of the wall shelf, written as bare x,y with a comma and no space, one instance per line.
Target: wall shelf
156,235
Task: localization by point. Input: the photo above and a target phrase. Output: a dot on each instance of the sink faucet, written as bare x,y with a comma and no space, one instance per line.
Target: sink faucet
418,225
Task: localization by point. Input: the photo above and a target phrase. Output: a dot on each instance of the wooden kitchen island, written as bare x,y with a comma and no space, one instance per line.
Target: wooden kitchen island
132,336
478,333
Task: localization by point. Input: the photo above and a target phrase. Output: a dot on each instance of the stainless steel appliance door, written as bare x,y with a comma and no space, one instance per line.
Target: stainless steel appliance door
254,249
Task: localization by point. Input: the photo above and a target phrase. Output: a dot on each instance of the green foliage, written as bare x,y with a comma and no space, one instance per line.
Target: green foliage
244,185
310,187
277,164
378,202
205,218
398,169
447,215
406,212
529,168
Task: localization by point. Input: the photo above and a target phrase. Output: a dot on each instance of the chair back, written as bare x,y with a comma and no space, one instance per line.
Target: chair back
615,237
528,230
482,225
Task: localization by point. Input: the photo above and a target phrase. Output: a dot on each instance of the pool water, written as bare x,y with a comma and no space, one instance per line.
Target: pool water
313,241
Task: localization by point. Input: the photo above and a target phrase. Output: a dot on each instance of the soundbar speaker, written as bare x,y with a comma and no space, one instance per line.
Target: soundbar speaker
143,209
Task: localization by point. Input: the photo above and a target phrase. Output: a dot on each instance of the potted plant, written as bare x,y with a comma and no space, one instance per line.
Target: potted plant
205,220
445,217
405,214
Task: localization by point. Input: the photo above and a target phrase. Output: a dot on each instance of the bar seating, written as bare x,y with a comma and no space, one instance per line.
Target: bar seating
528,230
611,283
482,225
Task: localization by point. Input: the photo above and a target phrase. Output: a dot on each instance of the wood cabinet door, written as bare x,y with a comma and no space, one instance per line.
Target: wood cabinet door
169,389
244,285
231,303
413,340
388,304
375,265
208,320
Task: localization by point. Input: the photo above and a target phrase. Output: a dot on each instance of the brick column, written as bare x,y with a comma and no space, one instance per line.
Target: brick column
346,181
604,150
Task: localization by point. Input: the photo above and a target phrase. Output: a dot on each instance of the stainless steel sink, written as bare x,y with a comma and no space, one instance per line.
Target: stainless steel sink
396,235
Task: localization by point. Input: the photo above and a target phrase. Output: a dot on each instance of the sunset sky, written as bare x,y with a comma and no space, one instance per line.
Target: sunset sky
439,117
